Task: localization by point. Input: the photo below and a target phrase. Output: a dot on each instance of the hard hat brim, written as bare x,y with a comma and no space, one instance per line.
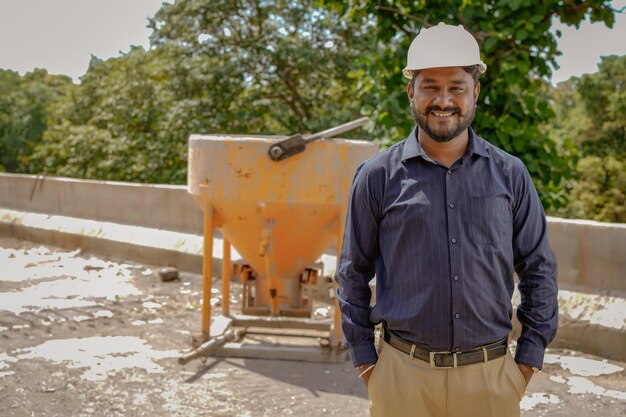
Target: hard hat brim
408,72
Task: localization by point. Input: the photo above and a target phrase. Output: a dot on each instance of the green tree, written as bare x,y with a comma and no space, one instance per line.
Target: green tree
591,118
603,96
117,124
24,109
290,60
600,190
519,50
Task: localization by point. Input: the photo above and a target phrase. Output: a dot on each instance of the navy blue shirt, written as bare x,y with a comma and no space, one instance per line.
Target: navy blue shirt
444,245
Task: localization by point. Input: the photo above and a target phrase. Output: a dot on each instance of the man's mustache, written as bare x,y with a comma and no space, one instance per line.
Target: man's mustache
430,109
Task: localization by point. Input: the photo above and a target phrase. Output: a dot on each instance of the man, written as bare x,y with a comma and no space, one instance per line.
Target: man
443,219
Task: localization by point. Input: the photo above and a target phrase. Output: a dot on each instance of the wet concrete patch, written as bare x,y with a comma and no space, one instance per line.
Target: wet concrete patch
583,366
69,280
532,400
102,356
4,363
605,310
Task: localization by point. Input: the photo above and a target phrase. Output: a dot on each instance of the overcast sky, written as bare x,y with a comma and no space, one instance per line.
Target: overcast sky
61,35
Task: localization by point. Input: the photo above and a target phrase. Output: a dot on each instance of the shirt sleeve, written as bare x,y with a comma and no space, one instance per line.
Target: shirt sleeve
536,268
356,268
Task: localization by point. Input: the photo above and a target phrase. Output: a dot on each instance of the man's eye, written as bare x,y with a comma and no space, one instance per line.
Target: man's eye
430,87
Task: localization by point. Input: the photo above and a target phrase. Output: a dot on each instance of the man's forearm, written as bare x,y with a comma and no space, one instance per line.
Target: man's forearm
358,331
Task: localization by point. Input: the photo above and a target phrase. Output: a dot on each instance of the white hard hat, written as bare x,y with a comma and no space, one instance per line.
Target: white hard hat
443,46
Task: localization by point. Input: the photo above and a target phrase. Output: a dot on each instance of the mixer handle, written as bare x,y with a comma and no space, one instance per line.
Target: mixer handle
295,144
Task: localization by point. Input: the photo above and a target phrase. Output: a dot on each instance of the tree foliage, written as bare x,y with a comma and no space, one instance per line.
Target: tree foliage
290,61
121,124
591,118
24,109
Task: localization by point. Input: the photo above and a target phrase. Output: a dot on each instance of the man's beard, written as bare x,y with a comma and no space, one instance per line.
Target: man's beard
465,120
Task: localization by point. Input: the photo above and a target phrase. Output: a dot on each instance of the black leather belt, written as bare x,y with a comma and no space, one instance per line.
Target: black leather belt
448,359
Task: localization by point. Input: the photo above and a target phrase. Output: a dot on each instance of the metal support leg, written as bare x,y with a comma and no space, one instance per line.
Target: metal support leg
267,251
207,272
226,270
337,335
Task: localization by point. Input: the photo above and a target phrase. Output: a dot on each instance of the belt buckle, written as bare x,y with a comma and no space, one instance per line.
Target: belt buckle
432,360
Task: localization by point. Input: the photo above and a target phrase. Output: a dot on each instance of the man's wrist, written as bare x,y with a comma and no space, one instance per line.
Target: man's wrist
534,369
365,369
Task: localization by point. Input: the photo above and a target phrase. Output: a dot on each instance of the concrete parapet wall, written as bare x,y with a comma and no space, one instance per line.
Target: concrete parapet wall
590,254
167,207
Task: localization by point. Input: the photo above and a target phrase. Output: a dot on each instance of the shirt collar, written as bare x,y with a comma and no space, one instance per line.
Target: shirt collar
413,148
476,145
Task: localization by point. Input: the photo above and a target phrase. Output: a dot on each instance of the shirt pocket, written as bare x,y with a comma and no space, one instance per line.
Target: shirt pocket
490,219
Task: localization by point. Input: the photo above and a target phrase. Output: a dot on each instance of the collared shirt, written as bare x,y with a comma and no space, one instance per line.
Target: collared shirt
444,245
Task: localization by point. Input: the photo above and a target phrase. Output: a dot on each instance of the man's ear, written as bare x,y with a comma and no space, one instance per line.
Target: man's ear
409,91
476,92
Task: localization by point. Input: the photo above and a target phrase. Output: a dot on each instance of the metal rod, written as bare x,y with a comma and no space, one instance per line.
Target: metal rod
337,130
295,144
210,346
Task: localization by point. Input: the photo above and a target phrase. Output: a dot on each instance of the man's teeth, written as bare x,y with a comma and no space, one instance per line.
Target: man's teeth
441,114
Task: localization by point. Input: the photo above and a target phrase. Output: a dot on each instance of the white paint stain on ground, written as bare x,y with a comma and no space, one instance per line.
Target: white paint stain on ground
151,305
103,314
142,322
583,366
598,309
71,281
531,401
4,359
558,378
102,356
33,263
579,385
217,375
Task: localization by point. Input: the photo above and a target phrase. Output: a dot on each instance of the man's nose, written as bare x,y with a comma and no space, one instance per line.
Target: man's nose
443,99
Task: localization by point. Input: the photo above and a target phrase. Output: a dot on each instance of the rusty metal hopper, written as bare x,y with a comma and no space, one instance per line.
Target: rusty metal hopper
279,215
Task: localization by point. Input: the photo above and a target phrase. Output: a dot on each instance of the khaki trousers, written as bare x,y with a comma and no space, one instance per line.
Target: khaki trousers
401,387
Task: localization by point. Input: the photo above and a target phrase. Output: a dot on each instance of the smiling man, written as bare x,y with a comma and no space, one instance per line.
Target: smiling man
443,220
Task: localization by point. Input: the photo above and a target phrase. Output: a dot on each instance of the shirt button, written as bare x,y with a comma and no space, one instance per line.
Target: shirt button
456,277
449,172
457,315
457,349
453,241
451,205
